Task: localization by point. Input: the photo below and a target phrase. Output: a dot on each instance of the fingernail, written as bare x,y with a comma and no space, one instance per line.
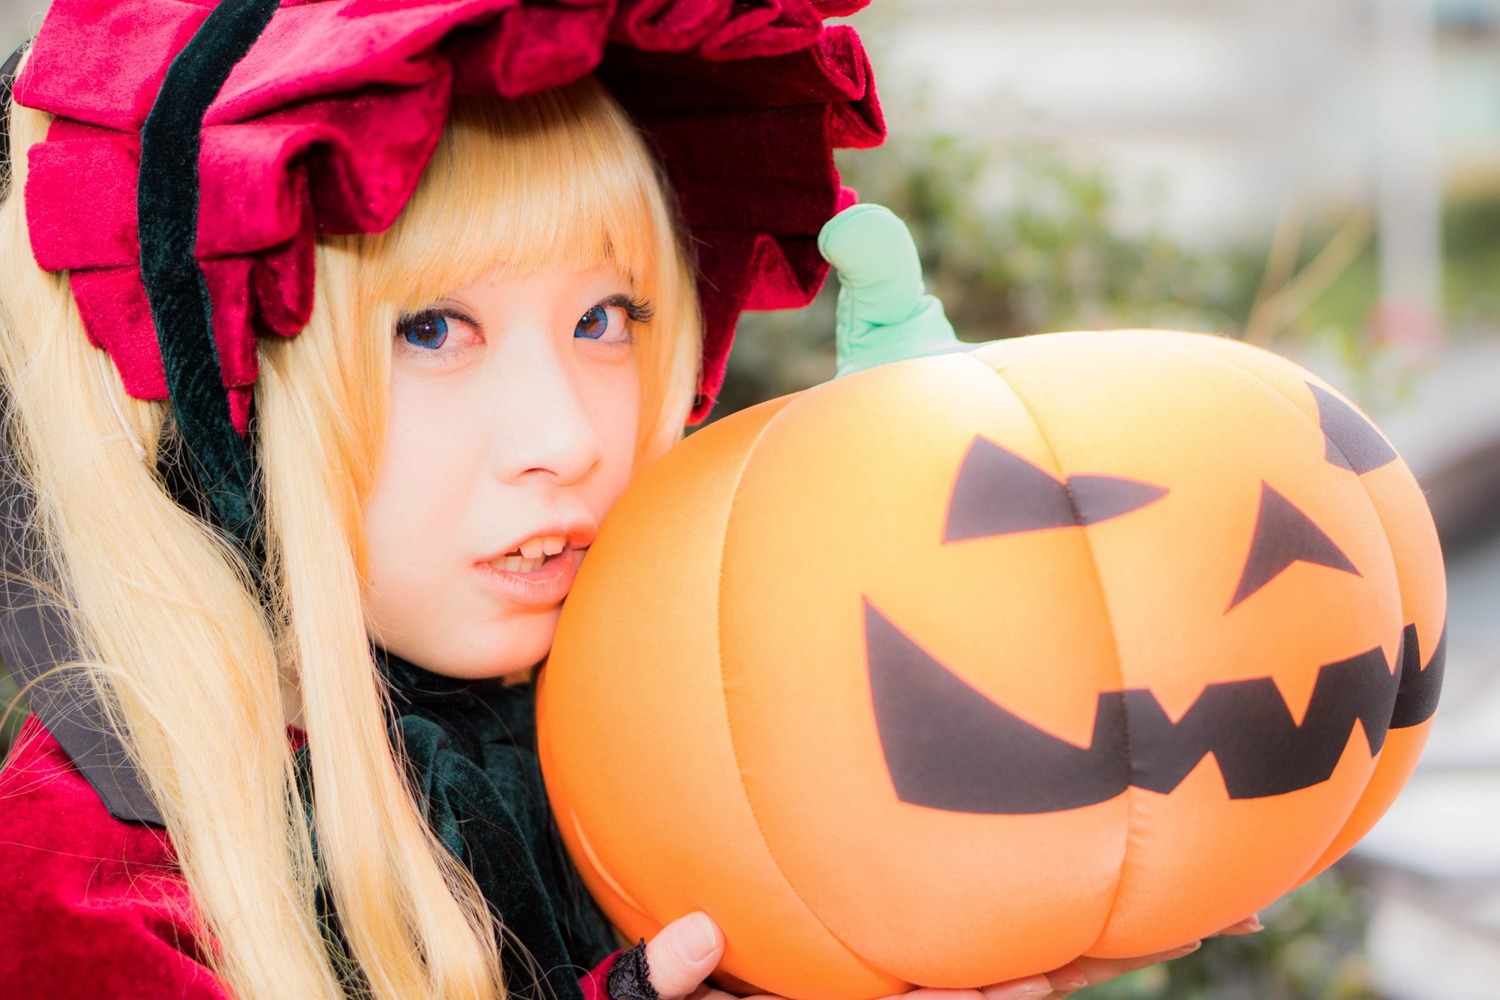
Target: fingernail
1247,926
1035,990
1076,981
696,939
1186,949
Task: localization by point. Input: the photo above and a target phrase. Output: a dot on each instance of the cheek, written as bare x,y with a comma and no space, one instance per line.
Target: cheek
615,411
394,520
429,442
409,515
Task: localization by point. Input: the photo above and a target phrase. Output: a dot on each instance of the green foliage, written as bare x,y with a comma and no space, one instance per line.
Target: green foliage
1340,313
1023,240
1471,260
1014,241
1382,359
1311,949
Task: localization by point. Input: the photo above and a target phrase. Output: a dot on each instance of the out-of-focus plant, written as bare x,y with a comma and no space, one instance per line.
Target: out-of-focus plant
1023,240
1471,260
1324,292
1014,241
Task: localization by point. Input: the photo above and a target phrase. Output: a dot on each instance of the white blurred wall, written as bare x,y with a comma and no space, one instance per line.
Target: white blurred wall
1224,111
1214,115
19,20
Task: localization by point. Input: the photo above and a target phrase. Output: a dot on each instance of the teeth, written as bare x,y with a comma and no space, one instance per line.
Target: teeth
531,554
519,564
546,545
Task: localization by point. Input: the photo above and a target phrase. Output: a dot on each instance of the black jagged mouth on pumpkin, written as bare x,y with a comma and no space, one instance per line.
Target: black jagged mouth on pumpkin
947,746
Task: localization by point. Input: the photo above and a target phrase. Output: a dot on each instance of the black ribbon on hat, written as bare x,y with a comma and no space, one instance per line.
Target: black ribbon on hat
167,208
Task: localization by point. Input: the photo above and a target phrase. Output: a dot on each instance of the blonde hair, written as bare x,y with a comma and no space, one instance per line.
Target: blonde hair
194,668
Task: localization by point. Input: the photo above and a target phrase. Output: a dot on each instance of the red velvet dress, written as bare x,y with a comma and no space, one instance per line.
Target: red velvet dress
92,908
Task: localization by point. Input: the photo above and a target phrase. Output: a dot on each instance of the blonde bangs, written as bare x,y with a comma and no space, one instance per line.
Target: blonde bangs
522,186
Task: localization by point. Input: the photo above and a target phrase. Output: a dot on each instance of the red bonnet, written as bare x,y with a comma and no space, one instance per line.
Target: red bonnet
325,126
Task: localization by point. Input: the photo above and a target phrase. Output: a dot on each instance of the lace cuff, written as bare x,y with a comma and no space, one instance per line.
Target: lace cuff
630,976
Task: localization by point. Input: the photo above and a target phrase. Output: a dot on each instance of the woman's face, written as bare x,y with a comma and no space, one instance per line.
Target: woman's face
514,405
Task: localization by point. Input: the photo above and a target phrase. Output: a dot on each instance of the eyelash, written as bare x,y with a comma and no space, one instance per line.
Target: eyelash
637,311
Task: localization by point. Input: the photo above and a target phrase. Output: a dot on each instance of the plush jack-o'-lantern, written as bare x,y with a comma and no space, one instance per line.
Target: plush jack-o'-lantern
958,668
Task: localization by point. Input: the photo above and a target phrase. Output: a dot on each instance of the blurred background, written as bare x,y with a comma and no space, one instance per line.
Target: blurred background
1321,177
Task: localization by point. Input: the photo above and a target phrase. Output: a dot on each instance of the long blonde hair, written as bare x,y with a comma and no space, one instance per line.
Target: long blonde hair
198,673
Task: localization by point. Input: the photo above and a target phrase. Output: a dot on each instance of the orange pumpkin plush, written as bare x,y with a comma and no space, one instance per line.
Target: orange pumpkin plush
958,668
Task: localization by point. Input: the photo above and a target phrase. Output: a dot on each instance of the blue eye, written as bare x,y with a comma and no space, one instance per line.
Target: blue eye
593,324
426,330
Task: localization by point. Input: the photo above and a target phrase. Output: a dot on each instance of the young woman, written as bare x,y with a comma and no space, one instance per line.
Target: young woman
299,634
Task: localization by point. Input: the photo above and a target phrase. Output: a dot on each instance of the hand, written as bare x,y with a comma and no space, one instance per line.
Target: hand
1085,971
1077,974
681,957
686,951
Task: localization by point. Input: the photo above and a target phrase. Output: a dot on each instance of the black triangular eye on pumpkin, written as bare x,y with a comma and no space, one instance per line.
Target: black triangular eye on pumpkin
1350,442
997,492
1284,535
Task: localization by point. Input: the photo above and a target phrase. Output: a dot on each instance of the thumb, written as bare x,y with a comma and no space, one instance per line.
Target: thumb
682,955
884,314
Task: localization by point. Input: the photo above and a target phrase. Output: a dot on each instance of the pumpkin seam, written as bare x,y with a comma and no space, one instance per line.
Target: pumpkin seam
1114,645
728,716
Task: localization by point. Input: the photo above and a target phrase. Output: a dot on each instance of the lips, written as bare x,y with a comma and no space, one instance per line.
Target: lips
542,585
535,570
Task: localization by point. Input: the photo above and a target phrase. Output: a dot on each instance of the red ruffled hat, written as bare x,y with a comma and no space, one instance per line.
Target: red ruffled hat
325,125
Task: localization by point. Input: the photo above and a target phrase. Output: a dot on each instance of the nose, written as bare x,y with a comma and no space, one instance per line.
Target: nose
543,425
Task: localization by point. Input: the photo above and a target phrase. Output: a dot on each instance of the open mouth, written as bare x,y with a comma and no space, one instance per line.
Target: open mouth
949,747
530,555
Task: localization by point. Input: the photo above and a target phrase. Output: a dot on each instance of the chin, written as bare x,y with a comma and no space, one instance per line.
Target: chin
509,654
